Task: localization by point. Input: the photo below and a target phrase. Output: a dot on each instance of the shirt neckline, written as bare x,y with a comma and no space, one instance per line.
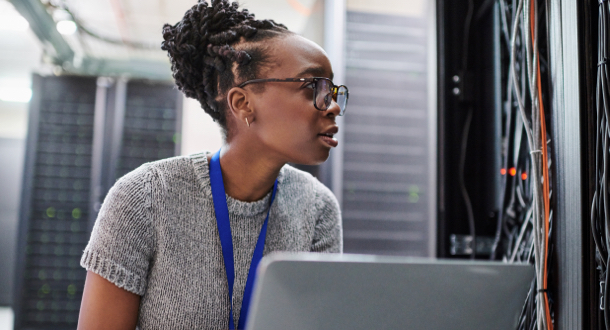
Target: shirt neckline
236,207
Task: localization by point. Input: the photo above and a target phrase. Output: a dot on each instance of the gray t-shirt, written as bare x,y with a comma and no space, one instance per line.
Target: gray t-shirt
156,236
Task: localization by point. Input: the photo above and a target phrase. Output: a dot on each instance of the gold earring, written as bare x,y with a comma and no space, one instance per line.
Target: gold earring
247,122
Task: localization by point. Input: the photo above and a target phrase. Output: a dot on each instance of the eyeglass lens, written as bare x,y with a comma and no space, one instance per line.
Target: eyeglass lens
324,95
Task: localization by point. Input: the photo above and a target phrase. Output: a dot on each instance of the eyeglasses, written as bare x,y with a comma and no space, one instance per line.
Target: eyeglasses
324,91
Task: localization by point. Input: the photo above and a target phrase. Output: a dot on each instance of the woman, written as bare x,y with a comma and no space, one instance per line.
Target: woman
159,256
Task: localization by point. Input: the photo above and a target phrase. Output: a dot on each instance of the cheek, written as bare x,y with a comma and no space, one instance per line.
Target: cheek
289,121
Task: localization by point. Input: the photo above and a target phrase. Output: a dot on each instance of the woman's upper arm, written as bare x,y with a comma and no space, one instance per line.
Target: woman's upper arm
118,255
106,306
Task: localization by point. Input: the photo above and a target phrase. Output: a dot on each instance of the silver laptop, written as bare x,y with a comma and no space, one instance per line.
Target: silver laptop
324,291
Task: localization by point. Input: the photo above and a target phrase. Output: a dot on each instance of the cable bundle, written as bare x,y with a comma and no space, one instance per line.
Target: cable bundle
601,199
525,218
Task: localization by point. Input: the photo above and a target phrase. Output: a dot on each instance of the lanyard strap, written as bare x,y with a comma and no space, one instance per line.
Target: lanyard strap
224,230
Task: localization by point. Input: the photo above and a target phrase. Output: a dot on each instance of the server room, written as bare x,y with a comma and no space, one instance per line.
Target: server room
304,164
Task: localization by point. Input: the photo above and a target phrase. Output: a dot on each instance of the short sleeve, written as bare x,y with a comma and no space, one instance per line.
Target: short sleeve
122,241
328,235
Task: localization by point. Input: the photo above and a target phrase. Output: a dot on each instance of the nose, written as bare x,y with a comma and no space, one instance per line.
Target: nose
333,110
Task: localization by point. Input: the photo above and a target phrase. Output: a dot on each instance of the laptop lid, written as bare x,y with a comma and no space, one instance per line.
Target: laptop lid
333,291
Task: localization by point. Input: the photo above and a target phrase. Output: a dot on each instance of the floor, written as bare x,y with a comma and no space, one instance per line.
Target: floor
6,318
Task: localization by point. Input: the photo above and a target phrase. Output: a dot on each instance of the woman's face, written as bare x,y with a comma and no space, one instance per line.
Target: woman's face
286,123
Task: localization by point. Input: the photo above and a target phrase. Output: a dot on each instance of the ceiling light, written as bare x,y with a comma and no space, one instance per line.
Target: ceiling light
13,22
66,27
22,95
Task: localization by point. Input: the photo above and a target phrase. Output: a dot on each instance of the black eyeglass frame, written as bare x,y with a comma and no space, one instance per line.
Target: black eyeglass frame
334,88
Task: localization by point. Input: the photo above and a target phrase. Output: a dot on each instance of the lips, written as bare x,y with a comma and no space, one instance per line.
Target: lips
328,136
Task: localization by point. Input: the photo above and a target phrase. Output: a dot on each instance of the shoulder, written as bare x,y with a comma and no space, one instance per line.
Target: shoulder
159,171
303,181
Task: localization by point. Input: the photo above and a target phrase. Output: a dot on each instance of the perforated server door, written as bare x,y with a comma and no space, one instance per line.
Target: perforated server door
53,220
135,122
386,180
152,125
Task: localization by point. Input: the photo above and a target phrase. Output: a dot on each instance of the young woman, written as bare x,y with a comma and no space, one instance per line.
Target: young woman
170,249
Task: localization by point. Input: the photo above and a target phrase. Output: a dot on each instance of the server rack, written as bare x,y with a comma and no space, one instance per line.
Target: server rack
573,285
63,182
468,128
386,186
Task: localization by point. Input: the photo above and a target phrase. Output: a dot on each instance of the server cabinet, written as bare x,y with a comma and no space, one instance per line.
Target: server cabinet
69,137
387,164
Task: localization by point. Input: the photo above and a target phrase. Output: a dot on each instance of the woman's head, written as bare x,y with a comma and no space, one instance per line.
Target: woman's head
215,48
201,48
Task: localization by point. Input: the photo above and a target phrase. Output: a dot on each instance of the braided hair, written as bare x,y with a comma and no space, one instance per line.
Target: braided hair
203,57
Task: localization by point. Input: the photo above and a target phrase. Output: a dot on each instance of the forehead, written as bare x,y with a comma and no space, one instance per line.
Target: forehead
295,56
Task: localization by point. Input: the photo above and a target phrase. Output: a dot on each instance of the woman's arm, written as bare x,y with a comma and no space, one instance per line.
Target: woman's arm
106,306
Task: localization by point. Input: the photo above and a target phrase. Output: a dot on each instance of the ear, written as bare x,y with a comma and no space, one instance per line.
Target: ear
240,106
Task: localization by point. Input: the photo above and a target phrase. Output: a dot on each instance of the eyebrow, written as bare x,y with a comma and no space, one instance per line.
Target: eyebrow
316,71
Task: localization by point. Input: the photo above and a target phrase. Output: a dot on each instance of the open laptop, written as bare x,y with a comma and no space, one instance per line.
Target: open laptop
325,291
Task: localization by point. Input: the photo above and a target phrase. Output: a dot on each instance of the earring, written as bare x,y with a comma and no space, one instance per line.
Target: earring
247,122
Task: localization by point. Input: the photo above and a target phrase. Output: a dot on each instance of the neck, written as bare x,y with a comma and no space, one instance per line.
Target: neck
248,175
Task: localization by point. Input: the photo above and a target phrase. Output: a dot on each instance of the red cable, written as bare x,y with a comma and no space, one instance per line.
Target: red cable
545,173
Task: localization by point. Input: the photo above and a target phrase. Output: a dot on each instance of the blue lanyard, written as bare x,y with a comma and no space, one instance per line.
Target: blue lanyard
224,229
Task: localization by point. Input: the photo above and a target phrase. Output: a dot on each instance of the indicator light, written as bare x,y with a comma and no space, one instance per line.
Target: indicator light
512,171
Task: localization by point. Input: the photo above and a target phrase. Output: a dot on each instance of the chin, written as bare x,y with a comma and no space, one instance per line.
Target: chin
319,158
312,158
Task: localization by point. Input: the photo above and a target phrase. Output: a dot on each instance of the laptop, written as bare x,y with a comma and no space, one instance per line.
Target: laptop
306,291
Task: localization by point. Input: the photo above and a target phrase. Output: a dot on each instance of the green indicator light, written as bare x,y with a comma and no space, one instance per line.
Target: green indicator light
71,289
45,289
51,212
76,213
413,194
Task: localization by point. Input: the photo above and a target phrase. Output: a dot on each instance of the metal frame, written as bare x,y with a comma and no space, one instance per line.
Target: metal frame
432,129
331,172
567,158
43,25
99,121
118,124
109,118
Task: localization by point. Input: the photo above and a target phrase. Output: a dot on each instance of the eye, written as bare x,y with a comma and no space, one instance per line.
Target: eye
310,85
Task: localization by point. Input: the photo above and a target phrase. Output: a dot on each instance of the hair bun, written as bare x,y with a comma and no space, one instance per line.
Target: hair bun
200,49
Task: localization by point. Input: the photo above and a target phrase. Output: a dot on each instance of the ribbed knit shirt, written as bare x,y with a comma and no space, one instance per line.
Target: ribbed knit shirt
156,236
